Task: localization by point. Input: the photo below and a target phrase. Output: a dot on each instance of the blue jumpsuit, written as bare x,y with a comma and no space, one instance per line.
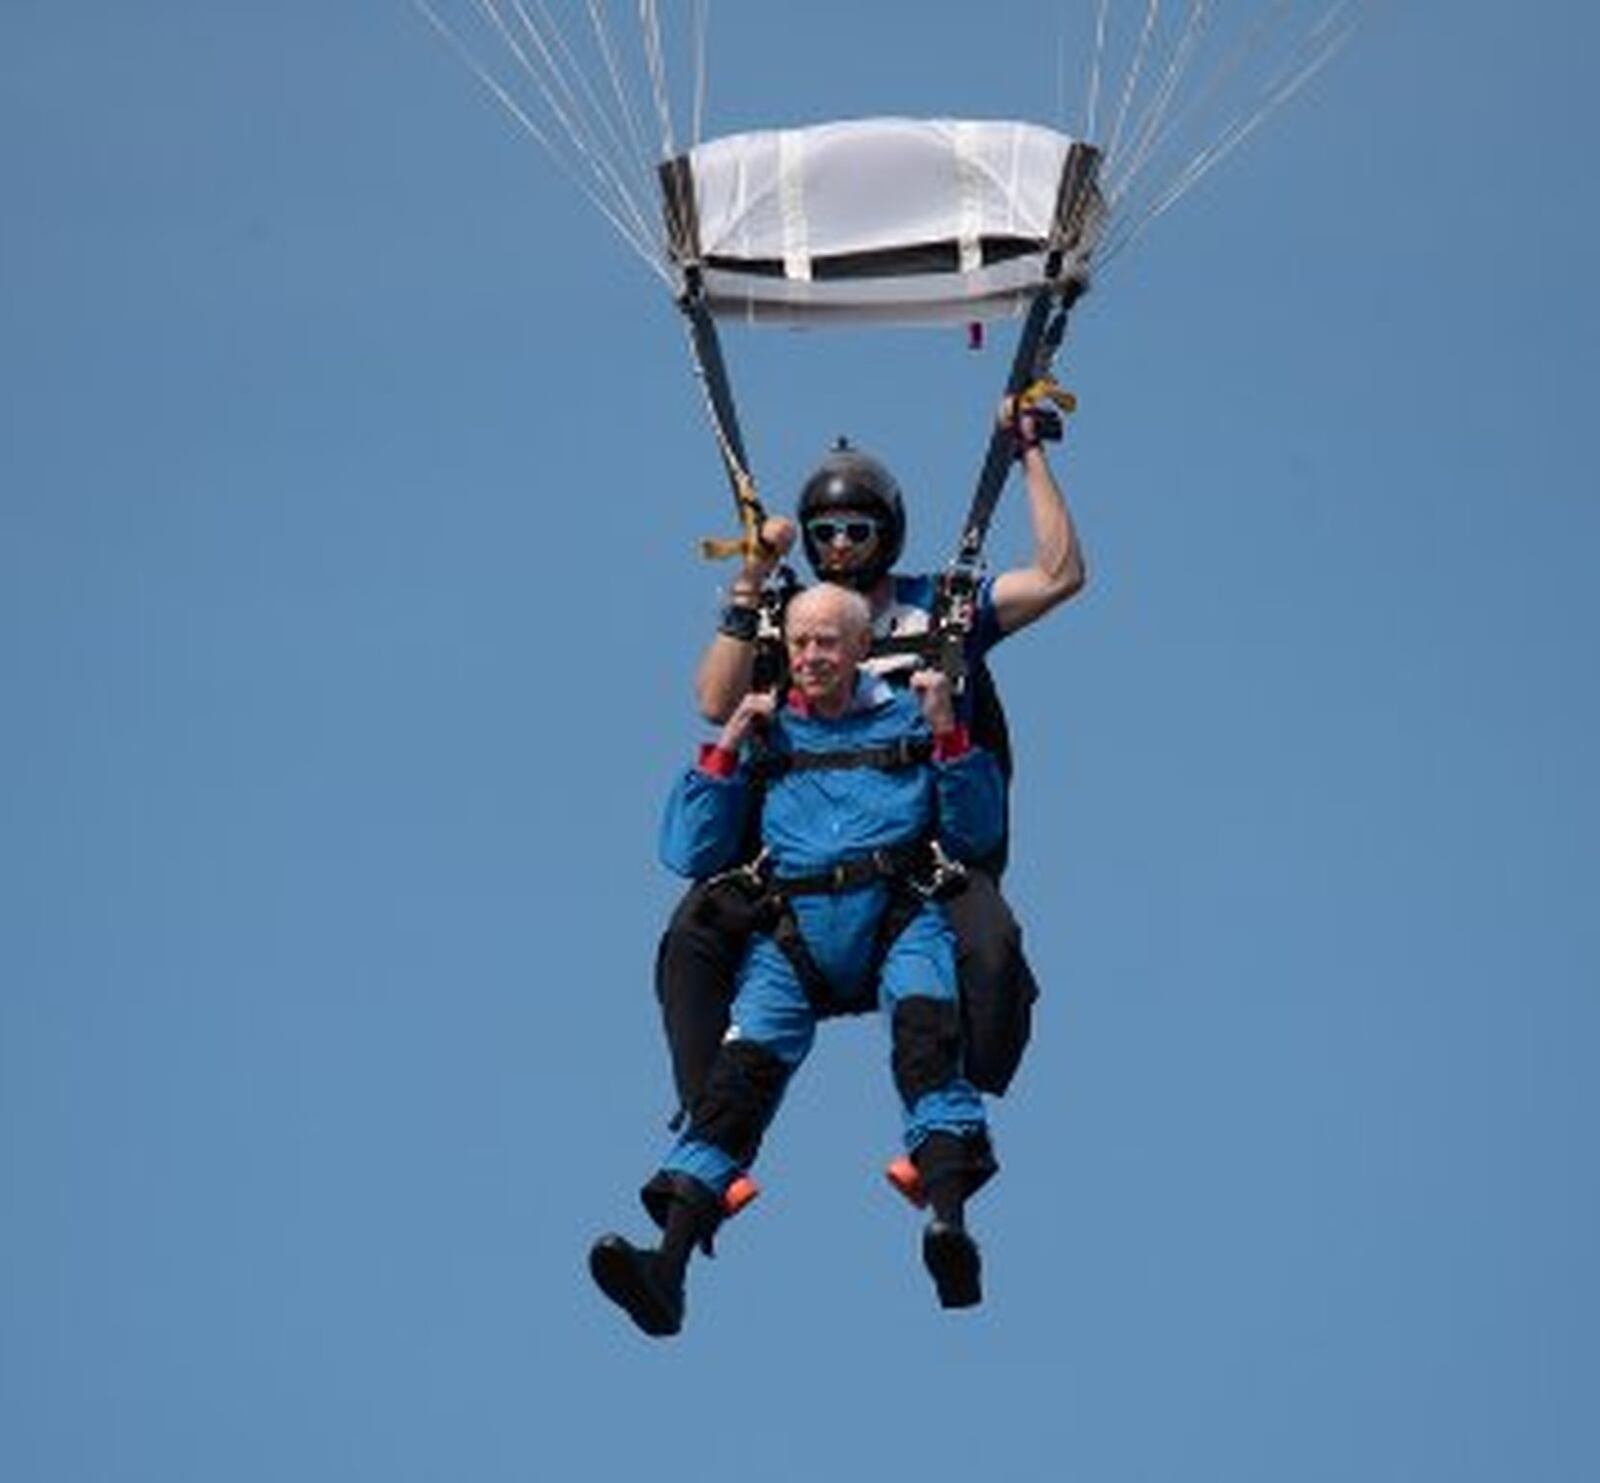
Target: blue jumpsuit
812,820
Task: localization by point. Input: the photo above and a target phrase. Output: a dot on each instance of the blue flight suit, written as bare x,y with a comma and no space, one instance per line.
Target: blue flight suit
810,821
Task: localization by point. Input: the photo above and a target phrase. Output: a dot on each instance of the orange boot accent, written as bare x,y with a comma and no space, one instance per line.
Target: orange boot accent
740,1193
902,1174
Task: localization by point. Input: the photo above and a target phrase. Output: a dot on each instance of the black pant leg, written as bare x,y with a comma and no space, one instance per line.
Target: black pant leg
696,964
998,988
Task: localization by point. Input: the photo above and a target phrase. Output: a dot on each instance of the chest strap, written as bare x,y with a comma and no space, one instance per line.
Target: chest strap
895,756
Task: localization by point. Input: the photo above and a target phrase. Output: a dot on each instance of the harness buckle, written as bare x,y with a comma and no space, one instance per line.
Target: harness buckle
946,876
752,874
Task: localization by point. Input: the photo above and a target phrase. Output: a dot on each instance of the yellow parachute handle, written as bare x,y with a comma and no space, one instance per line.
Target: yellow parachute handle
752,517
1046,389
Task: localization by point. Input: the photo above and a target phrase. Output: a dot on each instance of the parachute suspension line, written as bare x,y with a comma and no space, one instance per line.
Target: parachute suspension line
702,18
1254,39
608,54
1326,39
566,104
616,213
1280,94
1061,79
650,27
628,156
1130,81
1092,108
1149,123
616,160
567,67
608,193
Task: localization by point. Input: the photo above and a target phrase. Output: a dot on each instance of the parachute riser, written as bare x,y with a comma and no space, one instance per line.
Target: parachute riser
711,369
1028,384
705,348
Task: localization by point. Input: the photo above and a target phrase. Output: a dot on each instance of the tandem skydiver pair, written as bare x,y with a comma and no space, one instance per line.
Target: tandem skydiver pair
846,833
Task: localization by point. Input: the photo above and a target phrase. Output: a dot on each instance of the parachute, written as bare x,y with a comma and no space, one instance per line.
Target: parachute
888,220
899,220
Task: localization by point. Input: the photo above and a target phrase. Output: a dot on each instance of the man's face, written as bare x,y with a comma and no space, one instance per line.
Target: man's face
845,541
823,654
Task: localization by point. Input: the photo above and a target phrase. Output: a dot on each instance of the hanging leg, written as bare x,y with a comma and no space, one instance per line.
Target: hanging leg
946,1134
704,1177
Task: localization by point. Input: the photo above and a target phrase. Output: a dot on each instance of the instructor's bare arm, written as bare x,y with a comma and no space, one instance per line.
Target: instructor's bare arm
1057,572
727,667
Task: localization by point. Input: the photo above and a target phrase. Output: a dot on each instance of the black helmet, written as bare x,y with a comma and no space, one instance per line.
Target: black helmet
848,479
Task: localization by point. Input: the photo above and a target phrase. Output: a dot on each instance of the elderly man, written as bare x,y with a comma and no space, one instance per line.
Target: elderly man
862,794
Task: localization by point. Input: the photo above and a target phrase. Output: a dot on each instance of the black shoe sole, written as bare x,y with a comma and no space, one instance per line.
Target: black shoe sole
951,1257
618,1272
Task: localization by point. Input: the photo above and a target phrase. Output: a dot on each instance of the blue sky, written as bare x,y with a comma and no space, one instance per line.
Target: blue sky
350,474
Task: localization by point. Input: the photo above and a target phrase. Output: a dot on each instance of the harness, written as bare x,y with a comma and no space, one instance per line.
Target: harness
914,873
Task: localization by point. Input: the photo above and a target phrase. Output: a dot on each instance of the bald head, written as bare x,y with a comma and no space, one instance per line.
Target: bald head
828,631
838,606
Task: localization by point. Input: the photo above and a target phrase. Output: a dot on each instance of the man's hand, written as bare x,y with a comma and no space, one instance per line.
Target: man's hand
1029,423
754,711
932,688
777,538
778,532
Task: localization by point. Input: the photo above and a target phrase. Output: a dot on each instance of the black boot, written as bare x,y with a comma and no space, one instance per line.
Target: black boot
639,1281
647,1282
950,1170
951,1257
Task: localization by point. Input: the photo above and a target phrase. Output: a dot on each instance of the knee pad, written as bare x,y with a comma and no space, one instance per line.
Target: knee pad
741,1094
927,1046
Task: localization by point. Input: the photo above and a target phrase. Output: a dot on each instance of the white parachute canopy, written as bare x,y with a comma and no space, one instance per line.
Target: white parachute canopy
884,219
895,219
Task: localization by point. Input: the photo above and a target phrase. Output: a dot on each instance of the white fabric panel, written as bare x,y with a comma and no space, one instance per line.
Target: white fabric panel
792,197
995,292
969,169
792,200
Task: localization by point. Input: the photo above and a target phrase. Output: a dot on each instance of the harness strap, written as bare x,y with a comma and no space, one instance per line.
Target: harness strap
890,757
899,868
787,938
905,901
896,863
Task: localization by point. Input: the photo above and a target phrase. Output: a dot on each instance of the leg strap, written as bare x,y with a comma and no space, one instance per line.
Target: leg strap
903,905
791,942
